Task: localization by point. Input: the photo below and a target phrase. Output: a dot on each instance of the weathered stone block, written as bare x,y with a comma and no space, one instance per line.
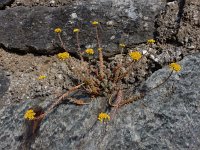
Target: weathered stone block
32,29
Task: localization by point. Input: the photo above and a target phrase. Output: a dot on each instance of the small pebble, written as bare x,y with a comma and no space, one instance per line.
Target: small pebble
74,16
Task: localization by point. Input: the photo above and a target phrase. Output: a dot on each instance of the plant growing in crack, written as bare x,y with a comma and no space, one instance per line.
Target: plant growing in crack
97,78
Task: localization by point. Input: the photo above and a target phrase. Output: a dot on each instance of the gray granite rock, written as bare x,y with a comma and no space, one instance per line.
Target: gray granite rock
174,108
4,85
41,2
28,29
167,118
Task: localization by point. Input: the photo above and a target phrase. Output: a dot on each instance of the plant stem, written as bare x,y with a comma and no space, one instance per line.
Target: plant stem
118,100
58,101
124,74
78,45
161,83
61,41
101,66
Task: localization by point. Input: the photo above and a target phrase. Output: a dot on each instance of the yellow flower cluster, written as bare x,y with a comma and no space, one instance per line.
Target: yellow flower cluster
95,23
122,45
76,30
89,51
174,66
30,114
42,77
63,56
151,41
58,30
135,55
103,117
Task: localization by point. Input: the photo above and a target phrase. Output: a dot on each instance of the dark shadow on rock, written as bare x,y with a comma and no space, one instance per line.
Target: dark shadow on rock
4,3
181,10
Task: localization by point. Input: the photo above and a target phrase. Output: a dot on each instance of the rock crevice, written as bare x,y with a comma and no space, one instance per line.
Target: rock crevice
5,3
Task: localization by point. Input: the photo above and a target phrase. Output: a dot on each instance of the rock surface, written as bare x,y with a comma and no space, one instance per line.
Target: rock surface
28,29
180,24
42,2
189,30
4,85
167,118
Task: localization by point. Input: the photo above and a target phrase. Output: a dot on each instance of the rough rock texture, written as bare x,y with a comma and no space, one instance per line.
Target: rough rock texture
4,85
167,118
23,72
189,30
180,24
28,29
42,2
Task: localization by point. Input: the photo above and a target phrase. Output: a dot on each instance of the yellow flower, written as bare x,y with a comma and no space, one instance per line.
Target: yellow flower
122,45
95,23
58,30
103,117
174,66
151,41
63,56
100,49
89,51
135,55
76,30
30,114
41,77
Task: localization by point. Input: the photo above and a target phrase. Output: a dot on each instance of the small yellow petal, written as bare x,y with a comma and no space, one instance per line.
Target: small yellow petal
58,30
95,23
135,55
122,45
174,66
151,41
89,51
63,56
29,115
103,117
76,30
41,77
100,49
